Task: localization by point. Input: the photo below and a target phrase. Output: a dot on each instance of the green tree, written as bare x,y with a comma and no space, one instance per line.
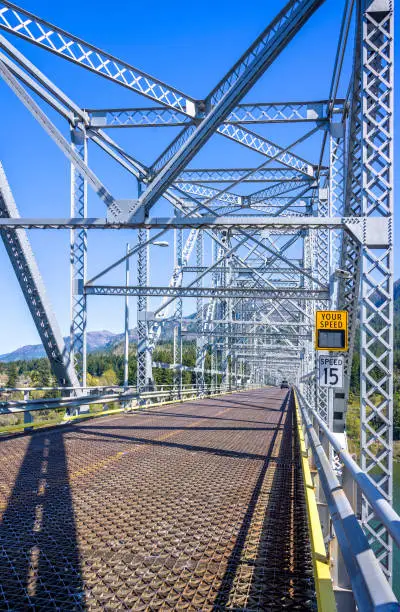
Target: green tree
13,375
109,377
92,381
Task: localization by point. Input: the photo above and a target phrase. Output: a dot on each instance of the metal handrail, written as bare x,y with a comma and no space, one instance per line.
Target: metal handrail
31,405
370,587
378,502
53,403
87,388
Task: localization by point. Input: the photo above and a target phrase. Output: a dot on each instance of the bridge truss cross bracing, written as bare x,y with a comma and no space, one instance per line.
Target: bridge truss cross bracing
256,249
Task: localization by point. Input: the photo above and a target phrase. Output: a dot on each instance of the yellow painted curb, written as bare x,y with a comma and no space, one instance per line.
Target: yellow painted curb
322,574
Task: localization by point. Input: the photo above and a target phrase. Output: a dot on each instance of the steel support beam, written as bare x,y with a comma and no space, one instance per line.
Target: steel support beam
205,292
230,91
78,256
26,269
144,359
376,291
28,26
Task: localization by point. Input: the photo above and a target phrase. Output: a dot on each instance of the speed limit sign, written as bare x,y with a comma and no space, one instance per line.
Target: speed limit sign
330,371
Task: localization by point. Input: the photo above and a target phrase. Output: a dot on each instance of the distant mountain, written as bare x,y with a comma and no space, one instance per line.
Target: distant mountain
30,351
97,341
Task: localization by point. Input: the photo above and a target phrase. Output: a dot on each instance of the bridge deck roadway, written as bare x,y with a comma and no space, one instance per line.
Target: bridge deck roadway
194,506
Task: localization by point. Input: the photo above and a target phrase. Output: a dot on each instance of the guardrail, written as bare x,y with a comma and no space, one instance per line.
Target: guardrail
104,395
369,585
109,395
89,395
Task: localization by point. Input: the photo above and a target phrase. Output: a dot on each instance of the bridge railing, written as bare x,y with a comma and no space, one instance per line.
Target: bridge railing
364,577
125,397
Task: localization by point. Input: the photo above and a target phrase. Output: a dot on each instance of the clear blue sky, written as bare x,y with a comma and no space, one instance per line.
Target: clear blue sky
190,47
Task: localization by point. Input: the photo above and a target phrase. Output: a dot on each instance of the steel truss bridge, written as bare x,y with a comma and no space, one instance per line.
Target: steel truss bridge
258,250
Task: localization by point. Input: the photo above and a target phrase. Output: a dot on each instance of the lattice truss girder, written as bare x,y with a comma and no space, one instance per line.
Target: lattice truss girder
144,368
242,114
19,251
376,336
78,257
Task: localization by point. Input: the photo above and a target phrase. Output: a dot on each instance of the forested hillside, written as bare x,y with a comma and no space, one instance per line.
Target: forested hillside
104,368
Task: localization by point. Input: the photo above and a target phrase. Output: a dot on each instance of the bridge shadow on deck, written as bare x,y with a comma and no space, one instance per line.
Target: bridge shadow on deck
246,405
40,565
112,437
276,573
278,400
39,560
185,415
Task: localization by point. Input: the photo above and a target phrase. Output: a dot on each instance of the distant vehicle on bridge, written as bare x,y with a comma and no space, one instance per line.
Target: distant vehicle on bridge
284,384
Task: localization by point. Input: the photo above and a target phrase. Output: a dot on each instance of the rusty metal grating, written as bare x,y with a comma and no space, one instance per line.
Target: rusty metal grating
197,506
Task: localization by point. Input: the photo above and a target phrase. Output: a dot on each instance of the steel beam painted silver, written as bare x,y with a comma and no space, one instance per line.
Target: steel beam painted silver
27,272
220,292
242,221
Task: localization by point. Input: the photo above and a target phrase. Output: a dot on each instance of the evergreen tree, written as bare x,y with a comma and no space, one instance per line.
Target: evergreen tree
13,375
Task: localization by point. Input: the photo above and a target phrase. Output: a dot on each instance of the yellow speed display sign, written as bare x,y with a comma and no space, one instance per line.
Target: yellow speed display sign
331,330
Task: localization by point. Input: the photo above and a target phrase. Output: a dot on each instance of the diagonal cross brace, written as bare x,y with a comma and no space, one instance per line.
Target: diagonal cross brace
56,135
23,261
28,26
291,19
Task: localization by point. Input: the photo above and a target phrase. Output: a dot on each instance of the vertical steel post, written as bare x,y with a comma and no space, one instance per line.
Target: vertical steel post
126,338
177,333
78,256
144,358
200,339
348,292
376,337
336,201
214,359
225,317
228,327
337,140
321,268
308,316
337,397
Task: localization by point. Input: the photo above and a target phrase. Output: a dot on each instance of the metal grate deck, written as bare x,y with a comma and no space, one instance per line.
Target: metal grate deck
195,506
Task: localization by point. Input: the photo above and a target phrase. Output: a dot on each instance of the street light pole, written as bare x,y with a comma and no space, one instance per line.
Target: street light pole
126,345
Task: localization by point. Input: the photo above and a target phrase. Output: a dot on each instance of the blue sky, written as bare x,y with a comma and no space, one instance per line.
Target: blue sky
190,49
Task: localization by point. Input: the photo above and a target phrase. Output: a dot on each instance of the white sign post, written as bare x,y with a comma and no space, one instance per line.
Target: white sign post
330,371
